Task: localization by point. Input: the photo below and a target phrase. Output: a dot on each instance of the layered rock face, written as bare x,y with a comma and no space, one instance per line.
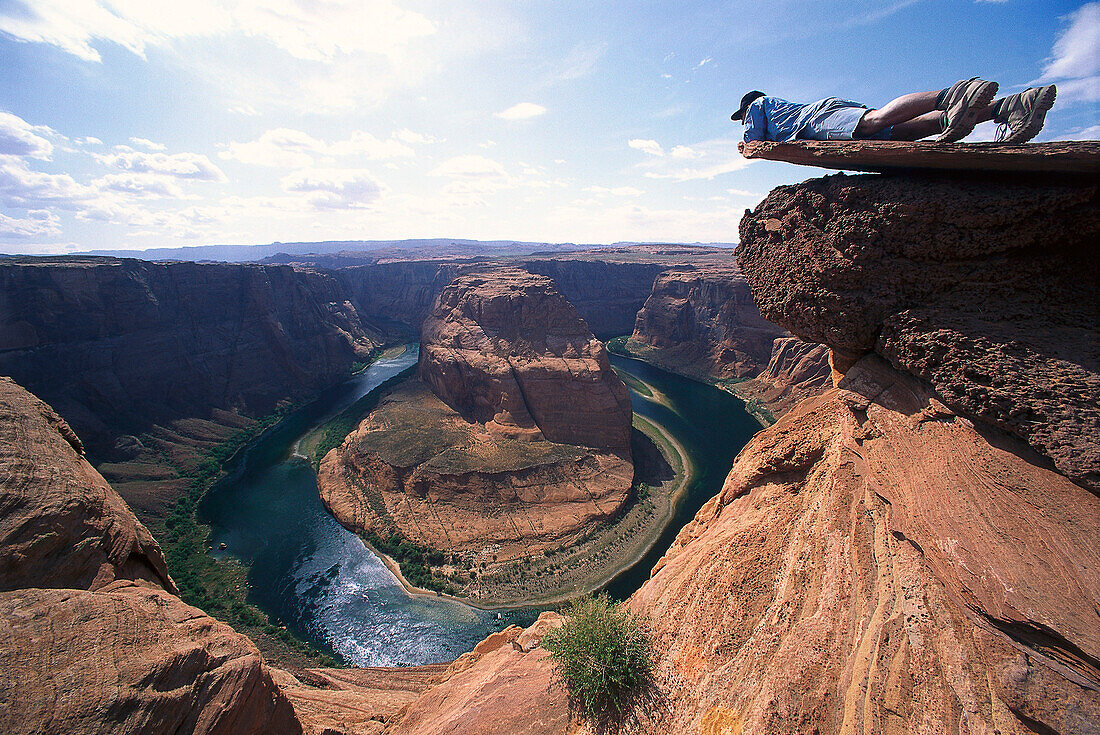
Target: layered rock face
987,290
505,685
795,371
399,294
61,524
515,439
874,563
92,638
703,322
416,466
607,295
505,349
117,345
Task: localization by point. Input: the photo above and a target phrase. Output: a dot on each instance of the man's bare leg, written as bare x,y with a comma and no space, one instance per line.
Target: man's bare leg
899,110
931,123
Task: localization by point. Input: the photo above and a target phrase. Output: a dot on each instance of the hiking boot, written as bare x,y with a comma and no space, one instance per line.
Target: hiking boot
962,105
1021,116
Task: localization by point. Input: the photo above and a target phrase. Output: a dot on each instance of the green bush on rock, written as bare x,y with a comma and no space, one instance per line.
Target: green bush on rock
602,654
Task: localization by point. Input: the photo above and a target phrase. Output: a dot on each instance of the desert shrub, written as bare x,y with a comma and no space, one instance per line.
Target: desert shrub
602,655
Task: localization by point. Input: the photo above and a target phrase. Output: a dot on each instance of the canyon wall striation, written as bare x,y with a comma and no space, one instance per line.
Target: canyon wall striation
914,550
118,345
504,348
985,289
515,438
92,636
702,322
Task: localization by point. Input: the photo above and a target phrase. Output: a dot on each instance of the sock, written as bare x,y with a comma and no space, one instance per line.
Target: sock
941,97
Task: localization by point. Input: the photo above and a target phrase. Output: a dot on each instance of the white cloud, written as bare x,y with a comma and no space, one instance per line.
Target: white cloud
1092,132
140,185
619,191
683,151
470,167
37,223
21,187
334,188
1075,58
651,147
20,138
287,148
305,29
704,160
279,148
522,111
744,193
193,166
704,62
148,144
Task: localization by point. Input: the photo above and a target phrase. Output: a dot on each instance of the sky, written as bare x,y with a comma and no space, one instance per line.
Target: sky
130,124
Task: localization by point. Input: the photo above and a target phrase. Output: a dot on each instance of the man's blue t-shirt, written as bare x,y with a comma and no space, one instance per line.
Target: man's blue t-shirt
772,118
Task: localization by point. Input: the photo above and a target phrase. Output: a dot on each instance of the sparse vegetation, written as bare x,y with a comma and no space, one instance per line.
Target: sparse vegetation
602,655
220,588
333,433
416,561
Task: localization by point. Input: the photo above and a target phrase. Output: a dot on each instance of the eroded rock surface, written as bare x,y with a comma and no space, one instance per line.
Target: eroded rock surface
505,685
985,289
505,349
416,466
855,575
703,323
116,345
61,524
92,638
129,659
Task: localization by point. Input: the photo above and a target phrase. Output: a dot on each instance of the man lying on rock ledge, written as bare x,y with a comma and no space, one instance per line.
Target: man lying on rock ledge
952,113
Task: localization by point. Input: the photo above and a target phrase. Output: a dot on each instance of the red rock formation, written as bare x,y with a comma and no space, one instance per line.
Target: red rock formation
876,564
986,289
118,653
1072,158
118,345
704,324
505,349
505,685
61,524
129,659
704,320
354,701
795,371
416,466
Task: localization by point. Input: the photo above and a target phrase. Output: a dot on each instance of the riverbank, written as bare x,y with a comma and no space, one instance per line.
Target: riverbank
557,576
627,347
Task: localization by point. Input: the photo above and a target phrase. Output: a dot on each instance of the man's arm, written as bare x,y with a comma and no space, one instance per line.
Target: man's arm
756,127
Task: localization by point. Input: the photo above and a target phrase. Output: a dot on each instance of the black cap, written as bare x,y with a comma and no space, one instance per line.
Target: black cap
747,100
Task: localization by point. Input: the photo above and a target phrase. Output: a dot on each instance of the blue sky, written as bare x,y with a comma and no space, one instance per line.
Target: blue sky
157,123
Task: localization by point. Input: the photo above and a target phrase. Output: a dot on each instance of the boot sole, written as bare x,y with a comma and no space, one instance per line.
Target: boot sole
1036,120
967,121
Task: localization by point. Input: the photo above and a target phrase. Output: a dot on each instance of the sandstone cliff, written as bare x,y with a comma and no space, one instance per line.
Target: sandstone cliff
92,638
913,551
606,294
416,466
504,348
875,563
704,320
703,323
515,440
118,345
985,289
